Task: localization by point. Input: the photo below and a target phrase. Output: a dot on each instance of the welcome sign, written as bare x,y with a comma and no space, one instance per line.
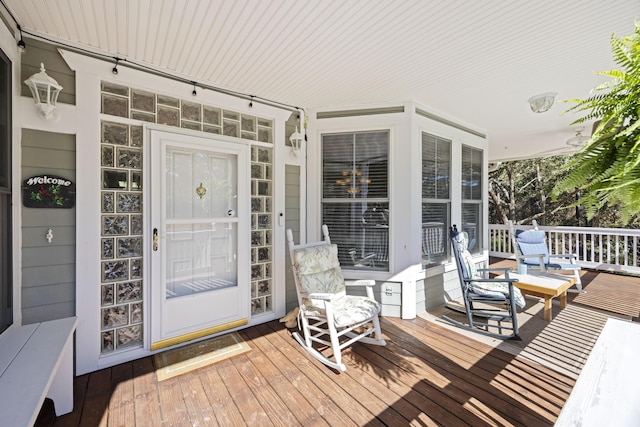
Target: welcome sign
47,191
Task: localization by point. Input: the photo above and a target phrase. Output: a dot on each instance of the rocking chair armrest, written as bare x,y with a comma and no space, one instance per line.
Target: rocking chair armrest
503,280
503,269
539,256
361,282
325,296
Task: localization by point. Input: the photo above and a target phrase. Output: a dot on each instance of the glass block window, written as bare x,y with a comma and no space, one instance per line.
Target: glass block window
261,230
355,197
436,198
121,229
472,187
122,101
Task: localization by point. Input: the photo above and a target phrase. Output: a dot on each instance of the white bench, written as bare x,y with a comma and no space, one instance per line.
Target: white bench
36,361
607,392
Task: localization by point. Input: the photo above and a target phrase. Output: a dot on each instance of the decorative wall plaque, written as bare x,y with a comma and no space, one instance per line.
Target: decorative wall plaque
47,191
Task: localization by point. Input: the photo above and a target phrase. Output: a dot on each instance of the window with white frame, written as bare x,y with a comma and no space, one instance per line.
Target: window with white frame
436,198
472,196
355,197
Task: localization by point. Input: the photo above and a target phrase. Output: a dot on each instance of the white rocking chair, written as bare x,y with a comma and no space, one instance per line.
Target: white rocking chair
328,315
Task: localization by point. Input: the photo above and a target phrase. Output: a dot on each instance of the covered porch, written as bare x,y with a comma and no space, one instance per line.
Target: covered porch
428,374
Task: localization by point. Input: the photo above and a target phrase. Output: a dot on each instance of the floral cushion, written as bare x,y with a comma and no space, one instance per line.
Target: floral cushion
347,310
318,269
497,290
469,271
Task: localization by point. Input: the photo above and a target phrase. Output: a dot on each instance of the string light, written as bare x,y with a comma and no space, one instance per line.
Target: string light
114,70
194,93
251,102
21,44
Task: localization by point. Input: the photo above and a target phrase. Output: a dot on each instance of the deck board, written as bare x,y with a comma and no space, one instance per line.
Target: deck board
427,375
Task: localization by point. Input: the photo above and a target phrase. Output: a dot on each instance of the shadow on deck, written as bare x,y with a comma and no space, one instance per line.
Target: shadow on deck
430,373
564,343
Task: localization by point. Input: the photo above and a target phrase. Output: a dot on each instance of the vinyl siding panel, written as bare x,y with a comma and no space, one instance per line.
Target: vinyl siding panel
292,221
48,269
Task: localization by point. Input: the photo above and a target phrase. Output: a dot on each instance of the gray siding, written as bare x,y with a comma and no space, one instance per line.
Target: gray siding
40,52
48,269
292,221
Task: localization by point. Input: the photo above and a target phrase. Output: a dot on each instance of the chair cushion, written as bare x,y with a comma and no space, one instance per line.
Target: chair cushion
532,242
530,236
465,260
499,290
318,269
348,310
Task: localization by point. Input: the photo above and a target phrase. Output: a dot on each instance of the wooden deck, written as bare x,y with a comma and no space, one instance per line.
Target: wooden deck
426,375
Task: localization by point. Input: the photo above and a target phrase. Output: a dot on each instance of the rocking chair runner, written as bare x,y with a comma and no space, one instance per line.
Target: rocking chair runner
328,315
484,299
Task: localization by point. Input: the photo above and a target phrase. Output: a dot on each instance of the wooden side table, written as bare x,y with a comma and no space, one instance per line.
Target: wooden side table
545,285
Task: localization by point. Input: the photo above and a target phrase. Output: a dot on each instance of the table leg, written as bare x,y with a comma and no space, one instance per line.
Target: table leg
563,300
547,308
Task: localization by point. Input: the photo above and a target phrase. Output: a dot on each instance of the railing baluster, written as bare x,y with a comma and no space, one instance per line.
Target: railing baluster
601,248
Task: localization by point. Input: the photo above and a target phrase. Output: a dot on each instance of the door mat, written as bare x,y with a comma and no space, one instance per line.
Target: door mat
185,359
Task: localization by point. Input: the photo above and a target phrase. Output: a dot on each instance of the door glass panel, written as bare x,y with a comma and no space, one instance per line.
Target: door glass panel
201,221
200,258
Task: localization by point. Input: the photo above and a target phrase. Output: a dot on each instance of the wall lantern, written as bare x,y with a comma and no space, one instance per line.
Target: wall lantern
45,91
296,139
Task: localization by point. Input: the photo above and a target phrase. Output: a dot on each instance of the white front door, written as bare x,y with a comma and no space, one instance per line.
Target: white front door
200,228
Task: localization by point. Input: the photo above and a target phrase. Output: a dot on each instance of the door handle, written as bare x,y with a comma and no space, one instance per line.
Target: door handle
155,239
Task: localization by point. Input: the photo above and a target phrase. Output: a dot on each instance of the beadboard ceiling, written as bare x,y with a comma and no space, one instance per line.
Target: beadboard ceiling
476,62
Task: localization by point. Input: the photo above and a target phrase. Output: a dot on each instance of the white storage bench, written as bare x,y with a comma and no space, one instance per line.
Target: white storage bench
607,392
36,361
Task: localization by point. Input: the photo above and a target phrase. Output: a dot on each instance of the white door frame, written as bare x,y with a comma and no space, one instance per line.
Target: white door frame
235,315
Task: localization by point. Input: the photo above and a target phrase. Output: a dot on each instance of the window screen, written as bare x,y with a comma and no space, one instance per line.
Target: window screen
355,197
436,199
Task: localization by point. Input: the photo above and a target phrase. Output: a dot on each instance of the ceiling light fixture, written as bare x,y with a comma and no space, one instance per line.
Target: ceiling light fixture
114,70
194,93
251,102
579,140
543,102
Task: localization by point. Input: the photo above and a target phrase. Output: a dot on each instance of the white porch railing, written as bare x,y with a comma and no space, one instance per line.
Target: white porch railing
608,249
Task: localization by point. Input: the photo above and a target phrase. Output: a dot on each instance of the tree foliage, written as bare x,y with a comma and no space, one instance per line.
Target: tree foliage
520,191
606,171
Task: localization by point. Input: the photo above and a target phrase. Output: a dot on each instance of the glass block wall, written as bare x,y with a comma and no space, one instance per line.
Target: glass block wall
122,201
261,229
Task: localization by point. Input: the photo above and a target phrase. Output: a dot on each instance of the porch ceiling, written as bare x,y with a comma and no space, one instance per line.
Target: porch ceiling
476,61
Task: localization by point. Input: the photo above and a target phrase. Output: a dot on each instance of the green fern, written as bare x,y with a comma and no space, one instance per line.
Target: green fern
607,170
